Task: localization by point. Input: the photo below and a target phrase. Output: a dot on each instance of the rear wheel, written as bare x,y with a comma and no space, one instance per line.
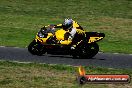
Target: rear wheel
93,50
36,48
86,51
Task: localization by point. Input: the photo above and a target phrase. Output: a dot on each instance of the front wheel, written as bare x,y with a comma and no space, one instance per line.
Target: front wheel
35,48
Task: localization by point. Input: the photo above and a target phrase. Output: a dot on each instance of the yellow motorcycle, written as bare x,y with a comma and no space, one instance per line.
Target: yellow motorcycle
59,43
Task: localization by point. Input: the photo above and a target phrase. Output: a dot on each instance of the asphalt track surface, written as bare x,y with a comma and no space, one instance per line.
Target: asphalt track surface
101,59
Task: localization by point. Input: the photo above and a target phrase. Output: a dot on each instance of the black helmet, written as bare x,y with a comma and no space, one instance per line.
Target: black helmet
67,24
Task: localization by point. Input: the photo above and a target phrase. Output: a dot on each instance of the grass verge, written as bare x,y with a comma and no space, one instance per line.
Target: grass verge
34,75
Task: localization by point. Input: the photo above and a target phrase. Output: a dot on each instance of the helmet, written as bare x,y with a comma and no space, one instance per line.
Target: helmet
67,24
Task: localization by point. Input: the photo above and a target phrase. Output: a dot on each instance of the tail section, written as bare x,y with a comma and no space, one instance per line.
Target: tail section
94,36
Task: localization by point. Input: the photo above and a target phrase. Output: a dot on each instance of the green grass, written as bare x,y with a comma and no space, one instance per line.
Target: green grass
34,75
21,19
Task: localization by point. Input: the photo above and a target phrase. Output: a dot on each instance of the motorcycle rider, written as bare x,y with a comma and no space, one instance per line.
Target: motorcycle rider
76,32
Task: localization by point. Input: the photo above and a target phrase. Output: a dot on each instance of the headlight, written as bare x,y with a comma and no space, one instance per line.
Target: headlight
40,35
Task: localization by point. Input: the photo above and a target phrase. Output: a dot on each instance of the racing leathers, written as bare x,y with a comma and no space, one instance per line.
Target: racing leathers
76,33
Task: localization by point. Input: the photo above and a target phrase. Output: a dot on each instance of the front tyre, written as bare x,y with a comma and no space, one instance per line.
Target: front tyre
35,48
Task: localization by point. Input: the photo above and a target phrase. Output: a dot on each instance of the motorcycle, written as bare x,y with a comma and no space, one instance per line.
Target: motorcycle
55,43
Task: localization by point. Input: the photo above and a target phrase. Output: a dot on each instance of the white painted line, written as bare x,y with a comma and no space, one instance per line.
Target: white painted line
130,54
2,46
115,53
10,46
100,52
40,63
22,62
16,61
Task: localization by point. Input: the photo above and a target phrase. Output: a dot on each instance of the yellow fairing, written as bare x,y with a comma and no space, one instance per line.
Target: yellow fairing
93,39
81,32
43,40
60,34
75,24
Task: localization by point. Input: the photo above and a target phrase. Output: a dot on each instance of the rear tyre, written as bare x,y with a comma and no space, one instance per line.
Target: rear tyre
36,48
93,50
86,51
